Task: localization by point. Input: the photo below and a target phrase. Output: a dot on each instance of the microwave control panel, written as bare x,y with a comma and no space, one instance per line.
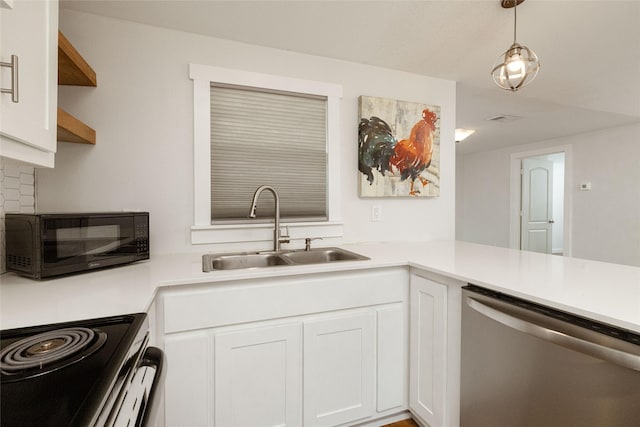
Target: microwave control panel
141,224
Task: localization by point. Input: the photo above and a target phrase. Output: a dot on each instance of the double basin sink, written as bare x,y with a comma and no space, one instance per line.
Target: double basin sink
235,261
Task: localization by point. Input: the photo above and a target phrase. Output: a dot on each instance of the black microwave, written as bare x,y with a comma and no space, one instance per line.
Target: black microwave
47,245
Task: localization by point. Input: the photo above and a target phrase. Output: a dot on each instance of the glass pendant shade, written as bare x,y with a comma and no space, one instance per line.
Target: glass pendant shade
519,65
515,68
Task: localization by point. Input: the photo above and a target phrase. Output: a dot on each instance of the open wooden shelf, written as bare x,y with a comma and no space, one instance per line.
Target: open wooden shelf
71,129
73,70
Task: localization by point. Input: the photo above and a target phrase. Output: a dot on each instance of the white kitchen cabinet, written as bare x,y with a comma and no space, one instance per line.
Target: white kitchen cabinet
428,350
392,351
263,352
339,369
29,30
258,377
187,385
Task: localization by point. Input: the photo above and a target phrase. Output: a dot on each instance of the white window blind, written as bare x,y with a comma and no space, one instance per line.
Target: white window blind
261,137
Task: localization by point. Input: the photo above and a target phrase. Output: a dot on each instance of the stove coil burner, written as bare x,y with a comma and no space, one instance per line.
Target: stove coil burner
49,351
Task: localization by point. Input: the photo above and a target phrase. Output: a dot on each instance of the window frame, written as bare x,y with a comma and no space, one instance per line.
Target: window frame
203,231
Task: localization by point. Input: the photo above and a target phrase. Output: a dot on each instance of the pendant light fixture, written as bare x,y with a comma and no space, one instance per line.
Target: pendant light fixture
519,65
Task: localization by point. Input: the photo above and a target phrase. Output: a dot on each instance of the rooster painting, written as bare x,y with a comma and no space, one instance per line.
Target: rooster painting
389,163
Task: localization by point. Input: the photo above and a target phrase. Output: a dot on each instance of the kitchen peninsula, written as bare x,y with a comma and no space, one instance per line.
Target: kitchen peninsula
602,291
381,298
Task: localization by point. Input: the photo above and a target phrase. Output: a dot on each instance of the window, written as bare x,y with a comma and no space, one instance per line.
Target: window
267,138
254,129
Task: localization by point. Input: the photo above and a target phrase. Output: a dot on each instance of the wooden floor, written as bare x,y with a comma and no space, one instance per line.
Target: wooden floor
403,423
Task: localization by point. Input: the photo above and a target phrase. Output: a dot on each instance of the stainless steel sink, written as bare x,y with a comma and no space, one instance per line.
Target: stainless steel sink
234,261
212,262
321,255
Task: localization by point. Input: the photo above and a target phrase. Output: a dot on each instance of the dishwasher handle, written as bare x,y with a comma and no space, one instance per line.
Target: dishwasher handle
559,332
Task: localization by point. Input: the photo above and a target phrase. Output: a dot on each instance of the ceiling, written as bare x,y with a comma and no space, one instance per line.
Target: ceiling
589,51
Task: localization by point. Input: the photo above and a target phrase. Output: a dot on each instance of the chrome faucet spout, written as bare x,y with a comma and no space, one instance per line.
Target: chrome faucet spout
252,214
254,207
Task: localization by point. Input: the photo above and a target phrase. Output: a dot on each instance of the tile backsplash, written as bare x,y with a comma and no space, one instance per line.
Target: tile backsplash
17,194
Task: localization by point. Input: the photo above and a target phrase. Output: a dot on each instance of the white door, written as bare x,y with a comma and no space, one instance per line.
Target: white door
258,377
427,351
339,369
537,205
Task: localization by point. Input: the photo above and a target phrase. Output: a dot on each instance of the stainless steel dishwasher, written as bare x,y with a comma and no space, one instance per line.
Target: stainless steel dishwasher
524,364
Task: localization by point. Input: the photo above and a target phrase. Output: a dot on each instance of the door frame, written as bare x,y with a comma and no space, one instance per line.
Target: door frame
515,193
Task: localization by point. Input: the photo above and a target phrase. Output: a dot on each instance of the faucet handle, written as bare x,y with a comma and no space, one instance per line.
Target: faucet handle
284,238
307,242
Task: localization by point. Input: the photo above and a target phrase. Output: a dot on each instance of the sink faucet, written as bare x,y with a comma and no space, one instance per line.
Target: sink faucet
277,238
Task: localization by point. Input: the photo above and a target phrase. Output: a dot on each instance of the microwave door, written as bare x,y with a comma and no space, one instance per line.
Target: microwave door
87,241
103,249
107,247
87,248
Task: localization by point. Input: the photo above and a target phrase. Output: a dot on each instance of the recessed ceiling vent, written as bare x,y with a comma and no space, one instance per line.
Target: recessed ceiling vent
504,118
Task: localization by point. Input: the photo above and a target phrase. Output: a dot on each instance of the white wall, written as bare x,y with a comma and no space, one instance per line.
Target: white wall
606,220
605,223
482,195
142,111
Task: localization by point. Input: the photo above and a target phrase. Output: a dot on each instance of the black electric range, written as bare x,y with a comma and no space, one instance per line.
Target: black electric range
79,373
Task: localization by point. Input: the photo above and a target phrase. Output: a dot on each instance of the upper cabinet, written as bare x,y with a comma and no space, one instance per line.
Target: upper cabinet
29,56
73,70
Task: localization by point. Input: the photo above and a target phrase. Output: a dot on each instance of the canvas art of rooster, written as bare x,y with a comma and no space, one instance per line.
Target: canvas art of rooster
380,150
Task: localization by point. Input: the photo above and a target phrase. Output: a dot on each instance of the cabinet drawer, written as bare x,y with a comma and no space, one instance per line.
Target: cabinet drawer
262,299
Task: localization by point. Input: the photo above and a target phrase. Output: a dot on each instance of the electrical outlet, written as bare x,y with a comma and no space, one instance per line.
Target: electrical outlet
376,213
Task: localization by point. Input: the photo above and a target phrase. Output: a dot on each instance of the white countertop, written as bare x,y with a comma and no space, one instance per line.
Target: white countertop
606,292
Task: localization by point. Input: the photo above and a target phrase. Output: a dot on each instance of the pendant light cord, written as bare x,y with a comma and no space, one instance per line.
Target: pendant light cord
515,18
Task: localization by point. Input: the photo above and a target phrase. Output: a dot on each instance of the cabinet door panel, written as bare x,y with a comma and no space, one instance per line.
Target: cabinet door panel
428,314
30,31
258,377
187,383
392,358
339,369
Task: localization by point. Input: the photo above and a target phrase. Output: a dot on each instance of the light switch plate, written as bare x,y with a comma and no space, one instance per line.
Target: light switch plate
376,213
